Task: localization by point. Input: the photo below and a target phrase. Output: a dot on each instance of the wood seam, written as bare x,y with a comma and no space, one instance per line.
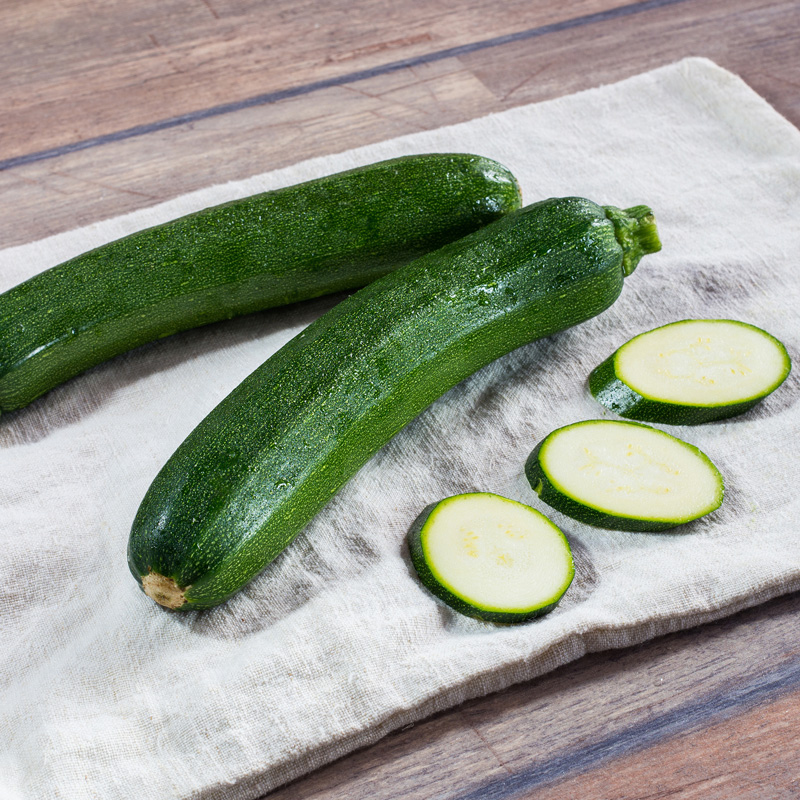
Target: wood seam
721,706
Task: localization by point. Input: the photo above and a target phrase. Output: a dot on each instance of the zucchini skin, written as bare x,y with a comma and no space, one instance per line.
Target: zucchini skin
334,233
612,392
260,466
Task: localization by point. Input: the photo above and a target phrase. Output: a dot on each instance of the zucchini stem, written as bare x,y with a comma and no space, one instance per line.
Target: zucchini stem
163,590
636,232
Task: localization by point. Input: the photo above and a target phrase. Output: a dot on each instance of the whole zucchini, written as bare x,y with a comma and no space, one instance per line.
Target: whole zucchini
338,232
271,454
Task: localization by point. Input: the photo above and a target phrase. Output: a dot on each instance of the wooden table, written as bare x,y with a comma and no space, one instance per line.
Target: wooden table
108,107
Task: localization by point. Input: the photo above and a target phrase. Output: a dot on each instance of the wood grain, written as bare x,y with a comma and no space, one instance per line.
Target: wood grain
82,187
756,39
120,64
718,762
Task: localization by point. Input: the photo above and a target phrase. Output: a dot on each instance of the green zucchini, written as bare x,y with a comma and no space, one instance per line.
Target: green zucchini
271,454
623,475
338,232
490,557
690,372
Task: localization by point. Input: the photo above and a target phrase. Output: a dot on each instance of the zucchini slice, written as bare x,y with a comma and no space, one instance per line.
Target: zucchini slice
690,372
490,557
338,232
623,475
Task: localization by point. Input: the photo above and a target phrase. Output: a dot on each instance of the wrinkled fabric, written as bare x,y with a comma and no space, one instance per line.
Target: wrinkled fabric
103,694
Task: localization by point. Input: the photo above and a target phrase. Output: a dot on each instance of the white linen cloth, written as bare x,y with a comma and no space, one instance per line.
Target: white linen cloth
103,694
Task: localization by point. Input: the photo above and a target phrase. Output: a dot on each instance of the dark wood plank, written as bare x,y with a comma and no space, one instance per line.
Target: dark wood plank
755,756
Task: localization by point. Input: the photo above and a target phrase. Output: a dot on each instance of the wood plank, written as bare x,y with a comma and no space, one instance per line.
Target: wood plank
748,36
757,40
719,762
75,70
693,714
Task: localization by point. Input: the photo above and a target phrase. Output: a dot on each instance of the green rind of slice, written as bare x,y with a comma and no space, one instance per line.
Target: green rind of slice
612,392
610,389
459,600
554,494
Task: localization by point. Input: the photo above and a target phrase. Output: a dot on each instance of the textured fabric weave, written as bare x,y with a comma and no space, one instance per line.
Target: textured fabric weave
104,694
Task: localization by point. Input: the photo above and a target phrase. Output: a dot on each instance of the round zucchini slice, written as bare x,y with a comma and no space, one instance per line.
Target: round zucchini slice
623,475
490,557
690,372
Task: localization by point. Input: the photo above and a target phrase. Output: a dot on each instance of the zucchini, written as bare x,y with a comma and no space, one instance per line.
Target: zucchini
690,372
491,558
338,232
623,475
271,454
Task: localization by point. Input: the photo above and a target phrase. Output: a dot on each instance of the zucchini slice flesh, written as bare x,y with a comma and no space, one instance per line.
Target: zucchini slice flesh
490,557
691,371
624,475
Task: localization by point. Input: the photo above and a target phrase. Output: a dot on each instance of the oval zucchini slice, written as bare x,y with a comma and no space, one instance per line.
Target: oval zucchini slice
490,557
623,475
690,372
327,235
